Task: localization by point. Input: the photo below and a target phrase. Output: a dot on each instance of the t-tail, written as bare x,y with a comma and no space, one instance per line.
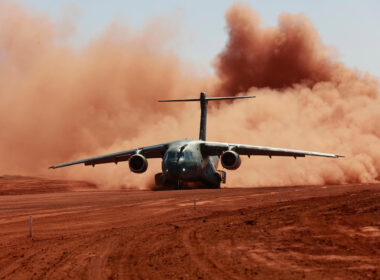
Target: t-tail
203,99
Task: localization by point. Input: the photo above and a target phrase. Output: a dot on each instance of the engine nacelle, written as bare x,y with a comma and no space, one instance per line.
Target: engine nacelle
230,160
138,163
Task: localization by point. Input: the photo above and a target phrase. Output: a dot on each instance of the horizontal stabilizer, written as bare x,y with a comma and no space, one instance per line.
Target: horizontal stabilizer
203,100
207,98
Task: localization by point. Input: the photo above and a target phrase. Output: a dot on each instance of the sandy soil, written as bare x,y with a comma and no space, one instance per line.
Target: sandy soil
11,184
314,232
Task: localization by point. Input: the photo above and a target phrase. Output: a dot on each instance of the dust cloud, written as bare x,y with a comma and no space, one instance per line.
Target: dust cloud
59,104
306,100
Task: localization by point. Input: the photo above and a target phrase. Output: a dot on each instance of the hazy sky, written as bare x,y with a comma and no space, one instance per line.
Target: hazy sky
352,26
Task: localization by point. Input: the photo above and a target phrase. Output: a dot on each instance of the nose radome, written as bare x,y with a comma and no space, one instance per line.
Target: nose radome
173,169
181,166
178,169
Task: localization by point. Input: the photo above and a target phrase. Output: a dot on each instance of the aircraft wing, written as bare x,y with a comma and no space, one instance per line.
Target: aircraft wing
155,151
216,148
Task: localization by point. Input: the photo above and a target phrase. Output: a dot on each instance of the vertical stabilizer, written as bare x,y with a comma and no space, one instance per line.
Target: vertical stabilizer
202,128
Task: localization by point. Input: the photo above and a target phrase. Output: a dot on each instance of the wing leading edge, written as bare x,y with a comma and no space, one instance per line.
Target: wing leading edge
216,148
155,151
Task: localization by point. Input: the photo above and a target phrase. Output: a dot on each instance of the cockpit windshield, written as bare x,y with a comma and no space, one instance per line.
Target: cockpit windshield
171,155
188,155
174,155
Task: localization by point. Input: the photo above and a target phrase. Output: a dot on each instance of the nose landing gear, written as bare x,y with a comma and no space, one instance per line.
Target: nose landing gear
180,185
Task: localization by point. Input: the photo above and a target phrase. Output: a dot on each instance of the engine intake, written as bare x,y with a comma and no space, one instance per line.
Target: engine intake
230,160
138,163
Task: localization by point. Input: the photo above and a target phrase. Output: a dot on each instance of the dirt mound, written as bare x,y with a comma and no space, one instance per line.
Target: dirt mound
317,232
16,185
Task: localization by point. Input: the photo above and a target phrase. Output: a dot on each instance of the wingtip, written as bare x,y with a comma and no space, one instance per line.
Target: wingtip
51,167
338,156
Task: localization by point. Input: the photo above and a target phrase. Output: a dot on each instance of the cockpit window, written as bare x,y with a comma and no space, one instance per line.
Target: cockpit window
188,155
171,155
174,155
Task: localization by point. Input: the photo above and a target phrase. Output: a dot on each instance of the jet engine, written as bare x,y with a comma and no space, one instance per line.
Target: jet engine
138,163
230,160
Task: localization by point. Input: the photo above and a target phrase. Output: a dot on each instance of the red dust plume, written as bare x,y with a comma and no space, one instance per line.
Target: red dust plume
59,104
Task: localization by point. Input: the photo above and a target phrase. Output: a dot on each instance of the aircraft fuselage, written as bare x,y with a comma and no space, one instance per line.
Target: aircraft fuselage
184,162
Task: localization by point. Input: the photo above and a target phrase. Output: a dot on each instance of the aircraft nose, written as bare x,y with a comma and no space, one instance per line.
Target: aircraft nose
176,169
173,169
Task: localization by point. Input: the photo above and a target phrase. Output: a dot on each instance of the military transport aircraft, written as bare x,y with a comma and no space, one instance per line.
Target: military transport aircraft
193,162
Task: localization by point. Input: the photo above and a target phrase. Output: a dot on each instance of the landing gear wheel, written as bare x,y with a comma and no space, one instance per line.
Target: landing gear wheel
222,175
159,179
219,180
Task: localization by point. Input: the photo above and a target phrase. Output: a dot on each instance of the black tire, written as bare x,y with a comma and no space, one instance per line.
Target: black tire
217,186
159,179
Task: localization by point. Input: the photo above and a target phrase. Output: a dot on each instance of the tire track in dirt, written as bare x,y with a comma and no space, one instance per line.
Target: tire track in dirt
127,260
197,251
120,260
72,258
13,267
97,265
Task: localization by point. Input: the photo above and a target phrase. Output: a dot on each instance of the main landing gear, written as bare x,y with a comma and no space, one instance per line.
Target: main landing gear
163,183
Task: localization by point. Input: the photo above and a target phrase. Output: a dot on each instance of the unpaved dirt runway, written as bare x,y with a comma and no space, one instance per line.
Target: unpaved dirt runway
313,232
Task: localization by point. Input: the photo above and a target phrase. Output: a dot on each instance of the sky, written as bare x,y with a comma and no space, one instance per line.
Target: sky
351,26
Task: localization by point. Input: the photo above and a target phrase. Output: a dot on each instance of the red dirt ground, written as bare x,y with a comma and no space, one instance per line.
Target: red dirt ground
314,232
10,185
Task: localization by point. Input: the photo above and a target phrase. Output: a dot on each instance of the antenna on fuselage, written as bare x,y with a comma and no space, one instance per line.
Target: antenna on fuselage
203,99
